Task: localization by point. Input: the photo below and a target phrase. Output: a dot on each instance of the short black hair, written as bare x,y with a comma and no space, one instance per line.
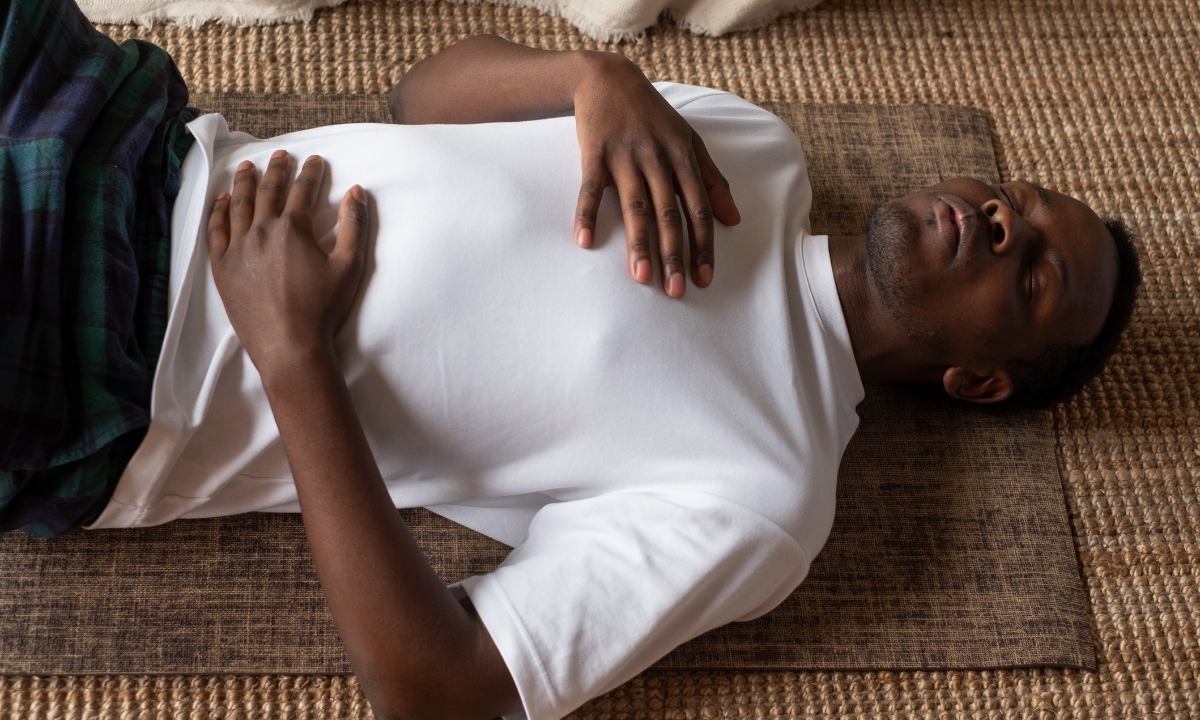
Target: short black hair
1063,370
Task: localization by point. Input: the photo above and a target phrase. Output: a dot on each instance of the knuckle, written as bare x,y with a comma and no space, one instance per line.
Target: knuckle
670,217
269,186
591,191
702,214
240,202
360,215
631,146
681,155
637,206
287,224
704,256
639,246
672,259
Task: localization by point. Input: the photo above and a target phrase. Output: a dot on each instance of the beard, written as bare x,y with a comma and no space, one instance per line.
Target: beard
892,230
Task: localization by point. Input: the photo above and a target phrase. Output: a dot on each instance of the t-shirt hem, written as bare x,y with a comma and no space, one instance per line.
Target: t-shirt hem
517,649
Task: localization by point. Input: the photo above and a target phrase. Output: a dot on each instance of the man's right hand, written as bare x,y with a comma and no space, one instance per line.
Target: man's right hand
630,139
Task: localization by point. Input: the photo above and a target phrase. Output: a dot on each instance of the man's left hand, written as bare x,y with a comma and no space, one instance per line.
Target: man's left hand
284,295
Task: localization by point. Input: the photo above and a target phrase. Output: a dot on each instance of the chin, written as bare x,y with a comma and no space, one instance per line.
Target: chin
893,236
892,232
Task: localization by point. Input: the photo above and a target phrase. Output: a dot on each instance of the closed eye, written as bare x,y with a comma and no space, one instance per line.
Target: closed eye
1007,198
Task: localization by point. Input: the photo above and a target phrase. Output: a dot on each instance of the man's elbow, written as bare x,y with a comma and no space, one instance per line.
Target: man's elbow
429,701
396,103
410,706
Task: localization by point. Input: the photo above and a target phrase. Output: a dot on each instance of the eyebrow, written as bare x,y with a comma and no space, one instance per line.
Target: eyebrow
1043,196
1044,204
1062,269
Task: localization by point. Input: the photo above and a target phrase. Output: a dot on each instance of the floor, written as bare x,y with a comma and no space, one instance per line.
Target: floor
1099,99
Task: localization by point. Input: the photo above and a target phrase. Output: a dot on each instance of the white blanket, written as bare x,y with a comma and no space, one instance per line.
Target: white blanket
601,19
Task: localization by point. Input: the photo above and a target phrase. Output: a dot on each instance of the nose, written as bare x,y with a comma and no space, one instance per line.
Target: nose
1007,227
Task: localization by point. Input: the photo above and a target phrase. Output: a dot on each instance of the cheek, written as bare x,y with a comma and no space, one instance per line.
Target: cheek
974,316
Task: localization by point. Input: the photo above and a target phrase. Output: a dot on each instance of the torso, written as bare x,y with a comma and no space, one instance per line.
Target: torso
494,363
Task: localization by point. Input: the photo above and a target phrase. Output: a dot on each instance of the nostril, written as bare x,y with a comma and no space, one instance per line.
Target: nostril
991,209
998,234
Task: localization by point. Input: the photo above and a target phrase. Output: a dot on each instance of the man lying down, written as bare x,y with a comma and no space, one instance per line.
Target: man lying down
406,322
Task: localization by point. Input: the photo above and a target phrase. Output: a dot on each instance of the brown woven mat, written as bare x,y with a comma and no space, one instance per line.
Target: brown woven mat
1098,98
951,547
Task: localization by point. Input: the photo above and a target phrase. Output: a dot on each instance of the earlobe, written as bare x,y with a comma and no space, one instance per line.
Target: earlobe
991,386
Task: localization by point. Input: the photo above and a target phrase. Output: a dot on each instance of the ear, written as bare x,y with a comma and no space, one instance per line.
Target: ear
990,386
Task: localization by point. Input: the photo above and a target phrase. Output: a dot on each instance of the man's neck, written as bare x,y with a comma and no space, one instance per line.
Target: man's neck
882,350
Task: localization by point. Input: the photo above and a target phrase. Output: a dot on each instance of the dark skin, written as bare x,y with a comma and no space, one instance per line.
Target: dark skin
999,295
417,651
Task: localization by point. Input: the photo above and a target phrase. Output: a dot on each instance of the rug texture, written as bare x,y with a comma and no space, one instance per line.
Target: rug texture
1097,98
951,546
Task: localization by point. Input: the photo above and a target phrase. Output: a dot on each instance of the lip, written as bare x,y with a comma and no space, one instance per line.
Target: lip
950,227
959,225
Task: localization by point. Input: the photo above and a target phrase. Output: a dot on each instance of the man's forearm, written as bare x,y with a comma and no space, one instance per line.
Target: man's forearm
488,79
417,652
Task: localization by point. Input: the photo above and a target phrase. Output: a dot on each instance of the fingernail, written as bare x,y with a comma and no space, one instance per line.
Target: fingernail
704,275
641,271
358,194
245,165
310,158
223,196
675,285
583,238
278,154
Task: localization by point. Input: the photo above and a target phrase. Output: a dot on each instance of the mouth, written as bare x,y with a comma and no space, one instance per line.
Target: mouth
949,227
959,226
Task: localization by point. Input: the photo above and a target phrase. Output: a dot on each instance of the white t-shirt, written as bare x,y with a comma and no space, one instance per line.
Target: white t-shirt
662,466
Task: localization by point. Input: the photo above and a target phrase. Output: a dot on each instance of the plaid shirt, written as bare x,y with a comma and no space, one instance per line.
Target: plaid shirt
91,143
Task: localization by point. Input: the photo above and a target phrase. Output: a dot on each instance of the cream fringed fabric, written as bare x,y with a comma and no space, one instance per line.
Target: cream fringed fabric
198,12
601,19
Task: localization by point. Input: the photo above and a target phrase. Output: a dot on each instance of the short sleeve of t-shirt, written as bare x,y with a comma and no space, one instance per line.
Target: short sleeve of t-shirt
605,586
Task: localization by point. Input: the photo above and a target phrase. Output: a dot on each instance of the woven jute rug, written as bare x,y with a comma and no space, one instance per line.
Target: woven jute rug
1098,98
951,546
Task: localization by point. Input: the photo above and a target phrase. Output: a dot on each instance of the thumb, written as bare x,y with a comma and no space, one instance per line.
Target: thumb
354,219
723,207
719,197
218,228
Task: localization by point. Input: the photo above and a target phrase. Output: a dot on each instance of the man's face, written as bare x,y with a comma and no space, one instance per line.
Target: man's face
980,274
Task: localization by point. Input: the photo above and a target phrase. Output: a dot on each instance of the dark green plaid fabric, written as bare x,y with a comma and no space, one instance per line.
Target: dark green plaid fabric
91,143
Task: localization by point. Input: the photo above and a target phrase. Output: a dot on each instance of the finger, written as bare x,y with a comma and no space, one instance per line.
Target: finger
218,228
670,227
698,214
241,206
635,209
717,187
302,198
591,192
269,202
354,219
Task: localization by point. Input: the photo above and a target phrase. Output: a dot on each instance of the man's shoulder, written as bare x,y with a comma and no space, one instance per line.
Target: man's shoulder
705,100
717,114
